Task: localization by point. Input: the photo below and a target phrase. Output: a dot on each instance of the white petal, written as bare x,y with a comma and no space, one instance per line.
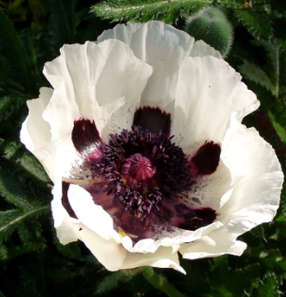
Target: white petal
114,257
60,113
66,227
96,230
208,91
216,244
98,82
100,222
108,252
257,179
119,94
91,215
201,49
35,131
211,189
162,258
173,240
161,46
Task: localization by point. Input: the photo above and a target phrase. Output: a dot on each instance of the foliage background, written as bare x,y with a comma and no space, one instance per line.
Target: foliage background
32,262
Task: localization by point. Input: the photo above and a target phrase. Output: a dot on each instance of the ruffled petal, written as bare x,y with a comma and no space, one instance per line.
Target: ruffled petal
108,252
161,46
163,258
66,227
201,49
256,180
256,176
216,244
97,82
35,133
208,91
88,213
172,239
114,256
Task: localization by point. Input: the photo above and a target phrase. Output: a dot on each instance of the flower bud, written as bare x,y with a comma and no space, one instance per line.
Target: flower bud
211,25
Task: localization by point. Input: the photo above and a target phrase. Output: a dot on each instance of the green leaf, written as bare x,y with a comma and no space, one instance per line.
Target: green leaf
15,153
257,23
144,10
276,59
232,282
256,74
71,251
16,54
7,105
13,192
19,195
271,258
269,287
11,219
62,21
29,163
280,128
270,88
31,231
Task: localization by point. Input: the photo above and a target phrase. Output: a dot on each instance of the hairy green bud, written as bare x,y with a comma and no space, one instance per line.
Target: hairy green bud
211,25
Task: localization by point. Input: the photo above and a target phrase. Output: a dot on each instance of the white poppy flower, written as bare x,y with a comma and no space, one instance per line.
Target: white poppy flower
142,138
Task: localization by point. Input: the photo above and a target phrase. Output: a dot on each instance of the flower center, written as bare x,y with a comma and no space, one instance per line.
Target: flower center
137,168
143,168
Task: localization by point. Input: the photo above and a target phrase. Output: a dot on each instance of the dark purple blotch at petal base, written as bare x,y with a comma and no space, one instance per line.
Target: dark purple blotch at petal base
65,200
189,218
85,135
152,119
206,159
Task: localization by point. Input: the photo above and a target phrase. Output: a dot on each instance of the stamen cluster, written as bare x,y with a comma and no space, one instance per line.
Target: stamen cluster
143,168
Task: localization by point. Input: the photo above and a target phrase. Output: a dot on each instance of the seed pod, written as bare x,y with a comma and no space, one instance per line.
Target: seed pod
211,25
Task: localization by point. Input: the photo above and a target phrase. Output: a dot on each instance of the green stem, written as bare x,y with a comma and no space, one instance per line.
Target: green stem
160,282
277,72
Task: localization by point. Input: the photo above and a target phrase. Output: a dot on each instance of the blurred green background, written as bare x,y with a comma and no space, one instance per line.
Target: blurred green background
252,37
